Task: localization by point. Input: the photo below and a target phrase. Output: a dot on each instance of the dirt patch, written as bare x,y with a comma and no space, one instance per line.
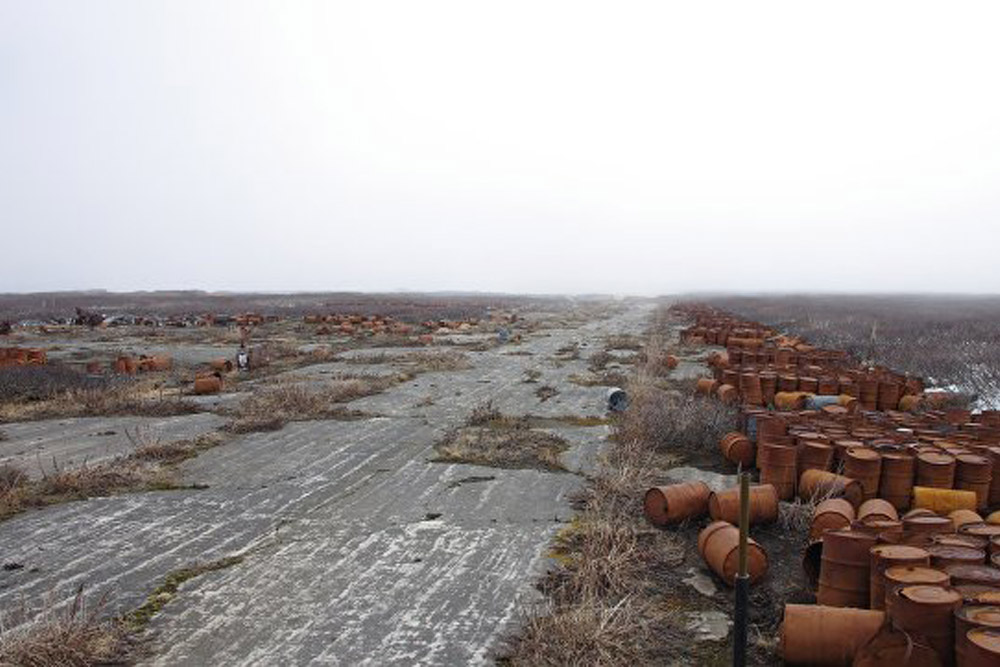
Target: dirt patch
500,441
545,392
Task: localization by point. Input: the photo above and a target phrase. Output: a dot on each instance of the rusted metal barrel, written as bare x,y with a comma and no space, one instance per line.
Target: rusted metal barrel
889,392
725,505
896,482
828,386
727,394
974,574
982,648
936,470
865,466
777,464
964,517
815,484
788,382
750,388
831,514
920,528
826,636
125,365
877,509
768,386
969,617
719,545
808,384
845,569
221,365
974,473
209,384
943,555
669,504
868,393
928,611
943,501
814,455
884,556
737,449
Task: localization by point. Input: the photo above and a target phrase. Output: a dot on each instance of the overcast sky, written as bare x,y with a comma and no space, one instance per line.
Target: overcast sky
533,146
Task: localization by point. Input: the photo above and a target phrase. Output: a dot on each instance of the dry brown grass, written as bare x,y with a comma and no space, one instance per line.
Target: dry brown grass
679,423
270,408
150,467
612,599
119,475
624,342
77,635
139,398
607,603
500,441
418,362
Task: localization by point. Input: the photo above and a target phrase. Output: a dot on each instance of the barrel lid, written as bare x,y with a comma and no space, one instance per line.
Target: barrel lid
973,459
974,541
894,551
985,529
904,573
929,594
953,551
848,534
985,615
936,458
863,453
987,639
976,571
927,520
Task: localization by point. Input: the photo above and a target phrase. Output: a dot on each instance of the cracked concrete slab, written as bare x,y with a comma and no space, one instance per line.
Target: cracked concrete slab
41,446
360,550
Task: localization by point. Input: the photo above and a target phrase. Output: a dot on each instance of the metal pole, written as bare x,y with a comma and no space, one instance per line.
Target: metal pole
742,578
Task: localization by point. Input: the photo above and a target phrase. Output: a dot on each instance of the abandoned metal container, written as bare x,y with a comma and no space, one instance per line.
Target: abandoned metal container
936,469
737,449
943,555
826,636
845,569
877,509
975,574
943,501
928,611
669,504
884,556
814,484
968,618
964,517
974,473
831,514
719,545
982,648
777,464
725,505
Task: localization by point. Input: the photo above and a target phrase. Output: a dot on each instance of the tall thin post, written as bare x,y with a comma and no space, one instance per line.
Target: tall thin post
742,578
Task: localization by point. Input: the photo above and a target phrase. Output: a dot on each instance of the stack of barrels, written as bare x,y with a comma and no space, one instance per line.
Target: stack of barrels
883,578
22,356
